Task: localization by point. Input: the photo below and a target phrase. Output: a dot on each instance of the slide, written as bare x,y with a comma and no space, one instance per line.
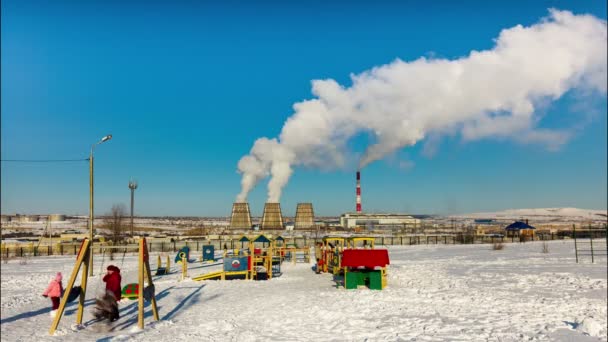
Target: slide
208,276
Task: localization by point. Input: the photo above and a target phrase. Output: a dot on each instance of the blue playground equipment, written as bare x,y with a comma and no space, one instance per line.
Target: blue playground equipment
208,253
183,253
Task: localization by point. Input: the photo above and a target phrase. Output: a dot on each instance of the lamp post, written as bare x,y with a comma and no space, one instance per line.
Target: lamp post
91,215
132,186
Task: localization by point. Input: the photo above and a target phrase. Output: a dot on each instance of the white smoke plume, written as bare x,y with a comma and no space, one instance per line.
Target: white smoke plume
491,93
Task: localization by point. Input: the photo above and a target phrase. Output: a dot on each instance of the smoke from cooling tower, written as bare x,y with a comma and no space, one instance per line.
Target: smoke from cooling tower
491,93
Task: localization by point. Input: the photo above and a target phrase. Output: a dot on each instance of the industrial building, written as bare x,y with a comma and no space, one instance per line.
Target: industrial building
377,221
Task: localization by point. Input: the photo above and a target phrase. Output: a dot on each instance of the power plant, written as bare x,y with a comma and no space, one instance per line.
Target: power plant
372,220
305,217
241,216
272,219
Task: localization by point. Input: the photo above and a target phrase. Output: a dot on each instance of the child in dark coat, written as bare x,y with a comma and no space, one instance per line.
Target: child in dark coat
107,306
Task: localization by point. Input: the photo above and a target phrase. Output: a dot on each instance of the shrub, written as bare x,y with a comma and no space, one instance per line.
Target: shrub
545,247
498,246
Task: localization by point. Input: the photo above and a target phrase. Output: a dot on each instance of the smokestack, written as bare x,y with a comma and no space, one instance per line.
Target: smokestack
358,192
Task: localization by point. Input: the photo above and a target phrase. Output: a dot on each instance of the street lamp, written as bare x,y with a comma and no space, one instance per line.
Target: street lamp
91,215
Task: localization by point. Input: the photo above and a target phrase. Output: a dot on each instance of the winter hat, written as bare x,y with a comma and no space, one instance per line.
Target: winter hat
58,277
113,268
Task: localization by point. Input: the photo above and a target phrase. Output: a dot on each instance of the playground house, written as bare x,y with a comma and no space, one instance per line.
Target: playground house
354,258
520,229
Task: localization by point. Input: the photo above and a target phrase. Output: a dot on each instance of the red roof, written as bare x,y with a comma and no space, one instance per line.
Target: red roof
369,258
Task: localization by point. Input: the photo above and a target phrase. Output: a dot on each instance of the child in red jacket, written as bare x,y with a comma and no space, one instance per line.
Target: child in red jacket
112,280
54,291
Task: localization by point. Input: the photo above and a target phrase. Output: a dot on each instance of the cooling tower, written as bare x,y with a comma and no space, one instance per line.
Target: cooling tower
305,217
272,218
241,217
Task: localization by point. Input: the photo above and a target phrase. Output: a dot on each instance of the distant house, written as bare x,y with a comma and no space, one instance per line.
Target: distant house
289,225
520,229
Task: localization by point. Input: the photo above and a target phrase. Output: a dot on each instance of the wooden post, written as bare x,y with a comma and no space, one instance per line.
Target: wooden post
82,258
184,267
83,285
140,282
150,283
168,264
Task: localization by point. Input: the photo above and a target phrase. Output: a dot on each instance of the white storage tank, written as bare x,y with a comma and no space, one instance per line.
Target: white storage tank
30,218
57,217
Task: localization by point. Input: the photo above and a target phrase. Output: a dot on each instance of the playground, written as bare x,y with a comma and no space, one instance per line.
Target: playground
432,292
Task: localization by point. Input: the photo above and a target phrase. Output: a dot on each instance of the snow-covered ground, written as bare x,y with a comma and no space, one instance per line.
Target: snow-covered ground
434,293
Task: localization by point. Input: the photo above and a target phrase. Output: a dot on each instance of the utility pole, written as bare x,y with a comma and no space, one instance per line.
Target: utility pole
91,197
132,186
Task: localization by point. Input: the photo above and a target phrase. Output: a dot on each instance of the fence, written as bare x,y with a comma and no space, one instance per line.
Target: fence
23,250
584,239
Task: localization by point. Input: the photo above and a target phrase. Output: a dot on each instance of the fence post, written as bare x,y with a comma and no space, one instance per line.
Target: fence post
575,246
48,250
174,246
21,251
591,241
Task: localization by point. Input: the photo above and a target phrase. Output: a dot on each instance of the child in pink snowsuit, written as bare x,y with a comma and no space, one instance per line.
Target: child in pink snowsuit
54,291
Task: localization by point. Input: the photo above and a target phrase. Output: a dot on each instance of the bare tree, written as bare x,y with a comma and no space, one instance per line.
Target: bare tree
115,224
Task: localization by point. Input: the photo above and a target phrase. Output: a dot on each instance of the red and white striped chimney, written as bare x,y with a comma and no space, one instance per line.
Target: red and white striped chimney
358,191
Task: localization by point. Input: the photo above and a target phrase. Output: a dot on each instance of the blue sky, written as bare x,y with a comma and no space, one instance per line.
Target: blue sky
185,88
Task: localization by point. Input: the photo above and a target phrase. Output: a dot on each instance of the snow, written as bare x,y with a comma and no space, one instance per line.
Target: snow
434,293
568,214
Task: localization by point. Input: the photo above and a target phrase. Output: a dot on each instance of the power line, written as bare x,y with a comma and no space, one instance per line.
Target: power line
43,160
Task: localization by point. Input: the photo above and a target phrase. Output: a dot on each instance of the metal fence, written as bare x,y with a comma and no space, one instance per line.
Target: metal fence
30,250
